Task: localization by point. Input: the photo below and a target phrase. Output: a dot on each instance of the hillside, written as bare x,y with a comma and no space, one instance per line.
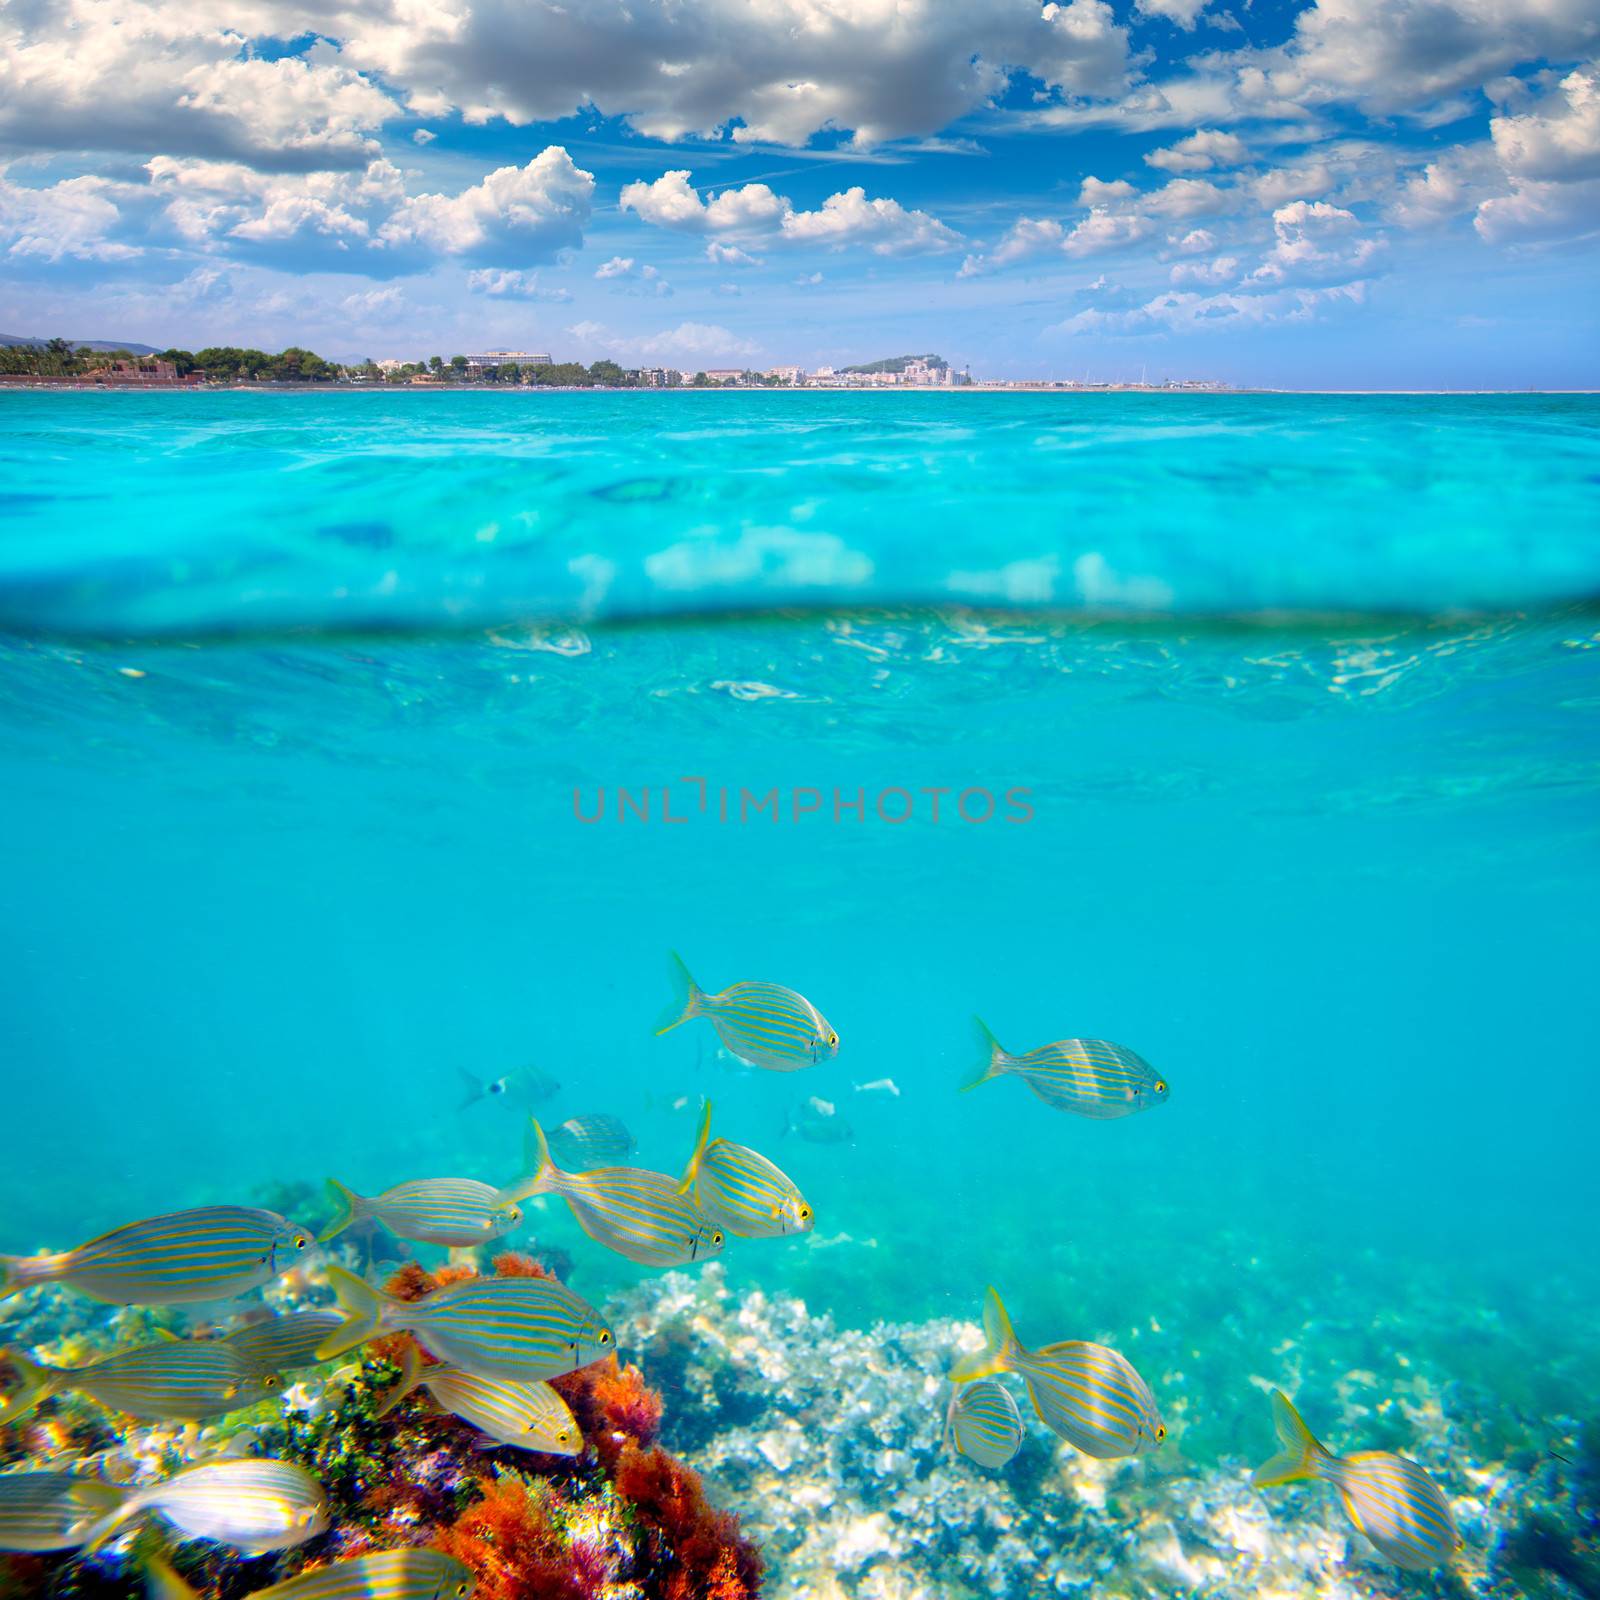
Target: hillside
78,344
896,364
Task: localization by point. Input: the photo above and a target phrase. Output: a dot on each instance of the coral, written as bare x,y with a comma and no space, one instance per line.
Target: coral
613,1406
413,1280
699,1550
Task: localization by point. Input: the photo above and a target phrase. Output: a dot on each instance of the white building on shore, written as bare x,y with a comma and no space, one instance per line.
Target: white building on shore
508,358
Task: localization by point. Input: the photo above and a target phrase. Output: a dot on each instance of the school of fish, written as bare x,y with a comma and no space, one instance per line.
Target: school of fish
485,1348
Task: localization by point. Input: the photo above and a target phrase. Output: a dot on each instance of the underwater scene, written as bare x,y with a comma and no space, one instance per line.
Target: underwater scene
501,892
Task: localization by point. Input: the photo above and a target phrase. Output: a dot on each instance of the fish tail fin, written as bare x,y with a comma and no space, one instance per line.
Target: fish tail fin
993,1056
32,1383
110,1524
162,1583
410,1377
1000,1346
362,1306
1302,1454
22,1272
692,1171
351,1209
472,1086
541,1165
688,998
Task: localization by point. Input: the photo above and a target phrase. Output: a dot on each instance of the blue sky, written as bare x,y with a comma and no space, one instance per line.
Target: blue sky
1348,193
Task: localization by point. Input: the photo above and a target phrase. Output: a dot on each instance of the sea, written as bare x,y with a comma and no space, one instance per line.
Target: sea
360,751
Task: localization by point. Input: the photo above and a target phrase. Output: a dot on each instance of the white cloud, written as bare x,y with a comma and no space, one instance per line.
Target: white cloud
1176,312
423,136
729,255
1104,230
1182,13
1095,192
504,283
1224,269
884,226
369,303
1184,198
1540,211
755,211
632,277
1315,242
140,76
775,71
1200,152
1025,237
74,219
514,215
1195,242
1559,140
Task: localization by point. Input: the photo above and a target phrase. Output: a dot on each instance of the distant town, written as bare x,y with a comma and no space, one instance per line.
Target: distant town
101,364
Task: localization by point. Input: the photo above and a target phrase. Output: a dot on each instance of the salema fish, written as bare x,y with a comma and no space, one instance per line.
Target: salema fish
526,1416
444,1211
51,1510
1391,1500
173,1380
255,1505
984,1423
516,1328
640,1214
210,1253
591,1141
521,1086
1086,1393
742,1190
409,1574
762,1023
280,1344
1091,1077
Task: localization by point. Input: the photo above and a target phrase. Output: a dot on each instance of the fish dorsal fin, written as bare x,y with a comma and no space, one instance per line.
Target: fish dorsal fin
692,1171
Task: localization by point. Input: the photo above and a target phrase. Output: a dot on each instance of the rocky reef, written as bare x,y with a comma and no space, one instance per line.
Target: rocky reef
827,1442
625,1520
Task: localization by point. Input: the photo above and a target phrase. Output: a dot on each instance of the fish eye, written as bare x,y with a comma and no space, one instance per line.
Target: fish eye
1161,1432
833,1039
605,1336
805,1213
463,1589
716,1238
1161,1085
300,1241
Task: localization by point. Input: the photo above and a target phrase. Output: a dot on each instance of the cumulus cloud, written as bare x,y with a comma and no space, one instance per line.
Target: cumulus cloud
1224,269
755,211
774,71
514,215
729,255
1189,312
1200,152
1315,242
74,219
1183,13
506,283
628,276
137,76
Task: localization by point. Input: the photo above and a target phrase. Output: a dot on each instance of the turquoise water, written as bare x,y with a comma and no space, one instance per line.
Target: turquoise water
293,793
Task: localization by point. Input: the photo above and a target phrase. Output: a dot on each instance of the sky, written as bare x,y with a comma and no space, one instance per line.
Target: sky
1345,194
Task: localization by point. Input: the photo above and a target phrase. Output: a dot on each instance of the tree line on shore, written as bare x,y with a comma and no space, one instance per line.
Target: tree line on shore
57,358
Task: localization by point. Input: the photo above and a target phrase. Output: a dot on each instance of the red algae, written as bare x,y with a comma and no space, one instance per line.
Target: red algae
699,1549
510,1540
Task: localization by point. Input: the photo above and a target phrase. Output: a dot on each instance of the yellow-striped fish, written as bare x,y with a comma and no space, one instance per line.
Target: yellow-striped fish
585,1143
175,1380
1086,1393
762,1023
525,1416
984,1423
447,1211
1091,1077
639,1214
1389,1499
51,1510
255,1505
412,1574
211,1253
743,1191
280,1344
521,1329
